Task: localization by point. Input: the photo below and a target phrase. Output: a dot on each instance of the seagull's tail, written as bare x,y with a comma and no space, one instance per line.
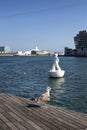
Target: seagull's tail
37,100
32,99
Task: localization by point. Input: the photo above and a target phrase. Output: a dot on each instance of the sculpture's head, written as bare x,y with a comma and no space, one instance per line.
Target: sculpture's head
56,54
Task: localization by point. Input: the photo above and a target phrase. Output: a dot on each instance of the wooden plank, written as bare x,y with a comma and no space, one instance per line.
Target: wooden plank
36,119
19,117
79,119
46,120
71,118
8,122
51,119
3,126
29,116
45,124
16,112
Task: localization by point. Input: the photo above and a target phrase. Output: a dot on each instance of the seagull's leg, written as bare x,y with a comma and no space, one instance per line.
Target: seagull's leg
44,105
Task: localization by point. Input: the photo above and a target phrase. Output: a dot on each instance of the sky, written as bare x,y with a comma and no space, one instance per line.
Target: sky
49,24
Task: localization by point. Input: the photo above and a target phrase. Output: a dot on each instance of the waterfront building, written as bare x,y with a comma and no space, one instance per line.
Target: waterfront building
37,51
80,41
69,52
34,51
4,49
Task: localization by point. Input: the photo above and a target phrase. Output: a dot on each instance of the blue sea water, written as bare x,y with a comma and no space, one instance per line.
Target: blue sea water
28,77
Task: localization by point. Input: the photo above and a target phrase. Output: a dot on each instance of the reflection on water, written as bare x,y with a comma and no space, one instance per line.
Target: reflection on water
57,82
57,89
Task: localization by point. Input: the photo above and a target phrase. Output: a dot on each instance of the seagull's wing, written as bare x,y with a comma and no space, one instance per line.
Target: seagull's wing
45,97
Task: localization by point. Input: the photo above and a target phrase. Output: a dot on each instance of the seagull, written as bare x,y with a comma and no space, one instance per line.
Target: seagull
44,98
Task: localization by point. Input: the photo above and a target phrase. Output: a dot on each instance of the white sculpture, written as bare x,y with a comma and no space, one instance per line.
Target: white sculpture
56,71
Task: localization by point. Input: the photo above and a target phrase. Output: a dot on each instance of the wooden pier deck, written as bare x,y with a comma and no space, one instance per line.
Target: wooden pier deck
18,113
